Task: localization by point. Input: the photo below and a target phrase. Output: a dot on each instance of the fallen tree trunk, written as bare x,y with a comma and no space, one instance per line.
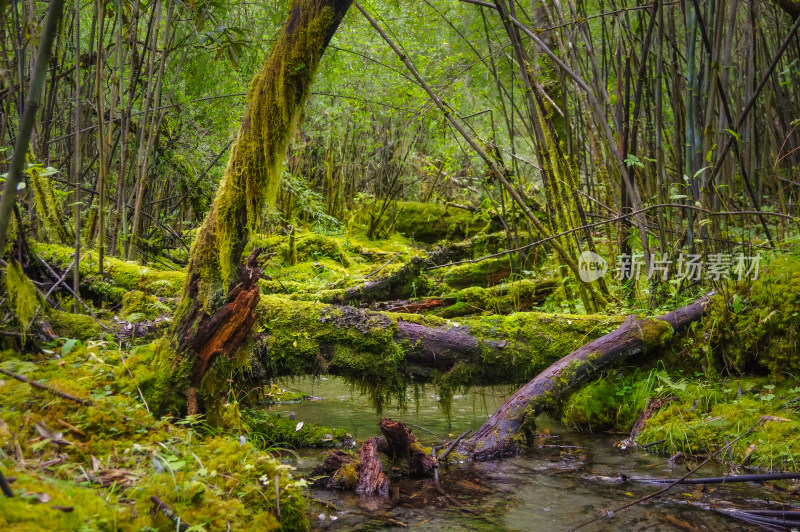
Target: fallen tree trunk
500,435
384,352
511,297
400,284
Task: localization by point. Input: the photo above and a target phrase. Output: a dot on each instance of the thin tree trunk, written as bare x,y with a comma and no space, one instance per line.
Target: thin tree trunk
28,118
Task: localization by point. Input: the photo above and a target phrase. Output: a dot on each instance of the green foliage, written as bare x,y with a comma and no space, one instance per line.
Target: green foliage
24,297
278,431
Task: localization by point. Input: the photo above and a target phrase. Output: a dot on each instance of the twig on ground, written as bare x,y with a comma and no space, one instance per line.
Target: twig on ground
76,296
385,264
141,395
169,513
64,395
60,279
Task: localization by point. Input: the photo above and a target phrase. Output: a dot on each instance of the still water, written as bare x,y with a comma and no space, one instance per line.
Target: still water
566,479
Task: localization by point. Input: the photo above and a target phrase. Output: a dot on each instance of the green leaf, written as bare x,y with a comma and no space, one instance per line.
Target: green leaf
733,134
68,345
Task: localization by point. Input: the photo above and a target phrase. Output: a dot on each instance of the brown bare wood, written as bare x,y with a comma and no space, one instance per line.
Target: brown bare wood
371,479
226,330
402,442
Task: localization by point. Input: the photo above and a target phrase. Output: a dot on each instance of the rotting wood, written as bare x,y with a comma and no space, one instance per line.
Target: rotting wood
402,442
226,330
372,480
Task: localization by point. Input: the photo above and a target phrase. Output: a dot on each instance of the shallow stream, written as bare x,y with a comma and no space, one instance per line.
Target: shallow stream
565,480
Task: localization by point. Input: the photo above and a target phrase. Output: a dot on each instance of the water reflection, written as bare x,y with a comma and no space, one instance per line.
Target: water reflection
564,480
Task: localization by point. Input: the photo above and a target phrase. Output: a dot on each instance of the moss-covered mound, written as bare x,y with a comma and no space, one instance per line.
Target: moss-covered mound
119,276
426,222
97,466
755,326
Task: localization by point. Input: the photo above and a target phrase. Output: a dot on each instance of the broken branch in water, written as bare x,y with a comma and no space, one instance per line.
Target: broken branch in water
453,445
723,480
610,513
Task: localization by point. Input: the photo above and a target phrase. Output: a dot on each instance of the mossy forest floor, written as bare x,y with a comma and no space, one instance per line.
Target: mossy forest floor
95,465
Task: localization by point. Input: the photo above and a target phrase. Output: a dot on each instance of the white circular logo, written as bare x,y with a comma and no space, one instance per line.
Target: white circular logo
591,266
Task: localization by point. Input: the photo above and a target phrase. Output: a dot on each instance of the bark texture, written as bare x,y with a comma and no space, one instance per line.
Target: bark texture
372,480
401,442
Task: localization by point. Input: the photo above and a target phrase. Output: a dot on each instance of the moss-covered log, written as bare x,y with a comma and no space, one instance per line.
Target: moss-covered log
500,435
424,222
385,352
119,276
274,103
504,299
406,282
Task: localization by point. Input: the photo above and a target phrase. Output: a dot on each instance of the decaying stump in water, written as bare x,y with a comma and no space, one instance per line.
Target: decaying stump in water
401,442
371,479
274,103
365,474
337,471
499,436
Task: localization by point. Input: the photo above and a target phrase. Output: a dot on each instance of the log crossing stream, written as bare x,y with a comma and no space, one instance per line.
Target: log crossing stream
564,480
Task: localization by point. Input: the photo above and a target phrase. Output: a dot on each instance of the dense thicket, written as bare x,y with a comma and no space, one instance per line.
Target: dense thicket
686,105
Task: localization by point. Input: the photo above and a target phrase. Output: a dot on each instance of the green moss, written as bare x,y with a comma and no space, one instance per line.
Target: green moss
275,430
207,478
707,415
426,222
49,211
275,395
592,408
120,276
484,273
138,306
751,326
78,326
502,299
24,298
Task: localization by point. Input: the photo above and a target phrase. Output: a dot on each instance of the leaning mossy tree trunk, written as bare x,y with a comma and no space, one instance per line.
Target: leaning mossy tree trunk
216,311
500,435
